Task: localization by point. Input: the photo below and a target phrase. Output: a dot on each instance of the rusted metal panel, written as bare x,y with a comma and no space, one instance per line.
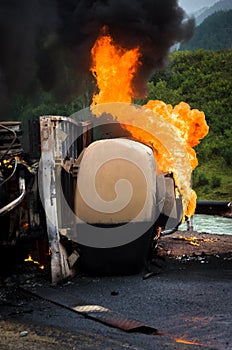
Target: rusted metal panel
114,319
97,313
48,189
59,140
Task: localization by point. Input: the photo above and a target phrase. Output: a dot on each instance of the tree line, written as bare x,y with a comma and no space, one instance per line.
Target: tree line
203,79
214,33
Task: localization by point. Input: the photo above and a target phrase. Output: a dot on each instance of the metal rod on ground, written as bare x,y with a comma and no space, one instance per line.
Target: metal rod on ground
190,224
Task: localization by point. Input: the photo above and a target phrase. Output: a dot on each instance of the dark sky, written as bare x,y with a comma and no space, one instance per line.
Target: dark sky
47,43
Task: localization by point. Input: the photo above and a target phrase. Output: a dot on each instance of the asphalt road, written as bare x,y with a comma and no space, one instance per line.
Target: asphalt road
188,302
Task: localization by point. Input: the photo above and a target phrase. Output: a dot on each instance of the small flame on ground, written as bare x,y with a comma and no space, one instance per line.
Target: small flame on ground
25,225
195,241
187,342
29,259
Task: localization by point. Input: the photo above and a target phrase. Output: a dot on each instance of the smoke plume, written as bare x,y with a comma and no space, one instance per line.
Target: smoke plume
46,44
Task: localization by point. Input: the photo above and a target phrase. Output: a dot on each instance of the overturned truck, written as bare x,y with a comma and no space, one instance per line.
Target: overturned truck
94,205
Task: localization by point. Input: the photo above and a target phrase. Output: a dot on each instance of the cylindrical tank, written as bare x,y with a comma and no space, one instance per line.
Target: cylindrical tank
116,186
116,183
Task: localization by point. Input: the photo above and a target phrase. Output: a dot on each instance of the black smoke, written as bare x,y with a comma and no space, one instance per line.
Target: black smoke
45,44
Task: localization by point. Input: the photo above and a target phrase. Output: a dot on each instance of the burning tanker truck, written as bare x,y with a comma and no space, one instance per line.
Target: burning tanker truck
98,188
95,194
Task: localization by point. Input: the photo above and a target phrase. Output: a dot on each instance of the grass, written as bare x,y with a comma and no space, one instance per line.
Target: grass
212,180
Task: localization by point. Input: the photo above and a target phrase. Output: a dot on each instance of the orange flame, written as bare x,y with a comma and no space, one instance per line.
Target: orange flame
29,259
114,69
187,342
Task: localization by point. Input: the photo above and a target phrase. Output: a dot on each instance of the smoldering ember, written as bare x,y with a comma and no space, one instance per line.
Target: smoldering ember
92,254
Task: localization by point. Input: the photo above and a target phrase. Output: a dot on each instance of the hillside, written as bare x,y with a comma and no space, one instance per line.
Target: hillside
203,79
215,33
223,5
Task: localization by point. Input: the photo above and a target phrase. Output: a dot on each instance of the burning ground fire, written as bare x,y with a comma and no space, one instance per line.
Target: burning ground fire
29,259
114,69
195,241
187,342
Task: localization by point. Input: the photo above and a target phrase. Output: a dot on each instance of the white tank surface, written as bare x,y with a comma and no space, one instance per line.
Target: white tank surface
116,183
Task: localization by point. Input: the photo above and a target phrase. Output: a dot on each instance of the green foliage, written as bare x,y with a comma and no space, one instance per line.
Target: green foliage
215,33
215,182
45,103
227,156
200,179
161,91
201,78
204,80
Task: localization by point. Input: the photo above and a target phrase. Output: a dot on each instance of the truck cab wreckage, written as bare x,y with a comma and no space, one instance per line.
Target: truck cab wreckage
48,200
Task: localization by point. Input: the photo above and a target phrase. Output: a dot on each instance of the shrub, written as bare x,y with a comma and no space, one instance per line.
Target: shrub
215,182
202,180
227,156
